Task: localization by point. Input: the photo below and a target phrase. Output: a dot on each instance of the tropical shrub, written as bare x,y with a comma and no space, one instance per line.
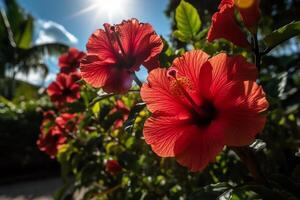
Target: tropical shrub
213,120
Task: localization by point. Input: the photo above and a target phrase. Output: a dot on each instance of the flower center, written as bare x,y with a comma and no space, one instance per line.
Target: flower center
202,113
74,63
207,115
125,60
67,92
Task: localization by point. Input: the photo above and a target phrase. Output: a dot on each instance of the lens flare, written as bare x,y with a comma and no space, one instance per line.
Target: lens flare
105,8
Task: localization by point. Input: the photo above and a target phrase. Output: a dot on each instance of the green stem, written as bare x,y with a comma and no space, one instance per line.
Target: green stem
256,51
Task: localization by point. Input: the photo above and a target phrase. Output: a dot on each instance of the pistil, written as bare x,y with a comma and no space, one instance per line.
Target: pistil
119,42
173,74
202,112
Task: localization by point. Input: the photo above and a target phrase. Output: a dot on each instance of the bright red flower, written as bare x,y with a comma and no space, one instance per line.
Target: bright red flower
123,110
250,12
224,26
51,140
67,122
69,62
116,52
64,89
201,104
113,167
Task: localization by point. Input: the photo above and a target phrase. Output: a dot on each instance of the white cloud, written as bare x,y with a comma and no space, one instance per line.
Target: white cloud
36,78
51,77
49,31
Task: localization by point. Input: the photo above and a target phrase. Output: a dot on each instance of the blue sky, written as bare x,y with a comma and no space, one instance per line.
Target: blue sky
67,13
82,17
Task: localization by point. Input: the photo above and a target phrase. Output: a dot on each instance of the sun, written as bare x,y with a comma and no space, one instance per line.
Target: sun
111,6
106,8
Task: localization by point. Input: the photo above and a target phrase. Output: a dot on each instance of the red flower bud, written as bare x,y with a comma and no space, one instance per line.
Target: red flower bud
113,167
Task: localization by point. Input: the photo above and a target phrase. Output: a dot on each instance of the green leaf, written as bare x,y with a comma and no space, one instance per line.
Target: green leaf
180,36
130,142
282,34
96,109
26,34
187,20
275,87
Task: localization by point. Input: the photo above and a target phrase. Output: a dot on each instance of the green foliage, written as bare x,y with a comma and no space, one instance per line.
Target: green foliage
274,155
17,53
282,34
188,22
24,39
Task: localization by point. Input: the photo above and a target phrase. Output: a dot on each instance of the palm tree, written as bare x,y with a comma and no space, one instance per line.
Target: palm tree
18,54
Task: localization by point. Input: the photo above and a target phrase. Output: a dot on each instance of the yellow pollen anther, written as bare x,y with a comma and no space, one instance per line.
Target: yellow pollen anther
179,84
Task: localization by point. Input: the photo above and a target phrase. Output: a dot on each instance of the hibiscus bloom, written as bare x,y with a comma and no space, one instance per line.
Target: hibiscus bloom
67,122
249,11
64,89
51,140
69,62
201,104
121,108
113,167
116,52
224,26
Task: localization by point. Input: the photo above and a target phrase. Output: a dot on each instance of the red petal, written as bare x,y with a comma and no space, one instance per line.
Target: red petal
157,95
152,63
226,3
118,81
250,12
63,61
197,147
220,70
71,59
162,132
224,26
99,43
95,71
241,104
139,41
190,64
232,68
53,88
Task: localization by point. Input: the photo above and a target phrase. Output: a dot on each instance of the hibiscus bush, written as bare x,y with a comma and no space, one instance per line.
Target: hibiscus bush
213,120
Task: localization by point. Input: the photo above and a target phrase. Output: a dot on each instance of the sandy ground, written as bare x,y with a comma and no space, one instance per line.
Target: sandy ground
31,190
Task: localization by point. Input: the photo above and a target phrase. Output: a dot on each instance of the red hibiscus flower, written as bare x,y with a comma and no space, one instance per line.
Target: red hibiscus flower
70,61
50,141
115,53
67,122
123,110
113,167
250,12
64,89
201,104
224,26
